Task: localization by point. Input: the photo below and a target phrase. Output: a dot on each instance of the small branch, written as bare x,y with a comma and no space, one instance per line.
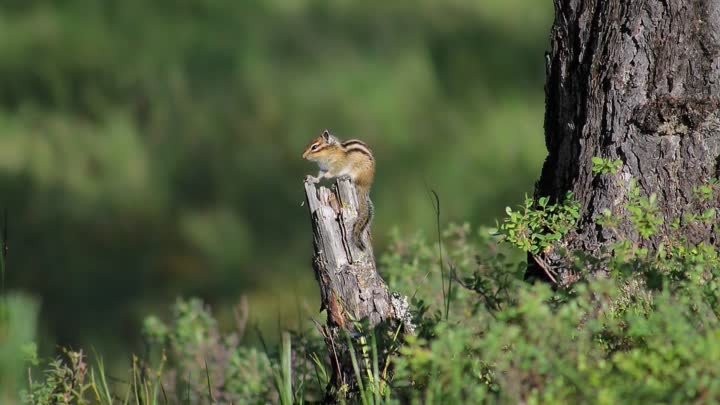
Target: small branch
546,268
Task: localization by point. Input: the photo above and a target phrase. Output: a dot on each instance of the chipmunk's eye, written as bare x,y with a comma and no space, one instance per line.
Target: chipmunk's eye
314,147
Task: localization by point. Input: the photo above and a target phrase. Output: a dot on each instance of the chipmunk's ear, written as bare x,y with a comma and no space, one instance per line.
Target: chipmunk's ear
328,138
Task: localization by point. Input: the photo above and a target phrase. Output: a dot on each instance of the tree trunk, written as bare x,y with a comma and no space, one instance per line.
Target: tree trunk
635,80
351,290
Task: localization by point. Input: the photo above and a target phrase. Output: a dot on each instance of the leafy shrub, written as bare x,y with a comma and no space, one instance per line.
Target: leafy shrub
204,363
606,166
537,225
18,319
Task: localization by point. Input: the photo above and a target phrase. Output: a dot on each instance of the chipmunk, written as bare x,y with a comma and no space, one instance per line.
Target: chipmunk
352,159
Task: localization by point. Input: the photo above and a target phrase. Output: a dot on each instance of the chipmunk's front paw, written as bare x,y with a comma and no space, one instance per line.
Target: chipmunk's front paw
312,179
345,177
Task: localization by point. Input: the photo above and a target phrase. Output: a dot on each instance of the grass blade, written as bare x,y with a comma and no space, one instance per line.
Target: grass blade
356,369
375,367
286,364
209,385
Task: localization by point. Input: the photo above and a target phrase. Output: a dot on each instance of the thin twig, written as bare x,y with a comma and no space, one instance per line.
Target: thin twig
446,292
543,265
241,314
335,356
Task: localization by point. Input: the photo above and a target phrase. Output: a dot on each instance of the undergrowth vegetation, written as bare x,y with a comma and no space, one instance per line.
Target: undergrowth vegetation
647,332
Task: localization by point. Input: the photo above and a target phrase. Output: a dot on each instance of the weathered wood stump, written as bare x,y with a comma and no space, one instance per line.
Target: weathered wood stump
351,290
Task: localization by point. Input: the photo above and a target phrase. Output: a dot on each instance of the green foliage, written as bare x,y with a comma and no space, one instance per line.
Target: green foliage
606,166
18,328
708,191
538,225
594,344
644,212
65,382
204,362
70,380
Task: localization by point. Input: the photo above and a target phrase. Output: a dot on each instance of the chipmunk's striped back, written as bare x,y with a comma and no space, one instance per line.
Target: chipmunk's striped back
357,146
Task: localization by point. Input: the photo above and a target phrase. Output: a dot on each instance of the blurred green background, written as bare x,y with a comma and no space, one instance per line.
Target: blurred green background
150,149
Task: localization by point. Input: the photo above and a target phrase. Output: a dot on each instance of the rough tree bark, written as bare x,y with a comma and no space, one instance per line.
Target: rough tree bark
635,80
351,290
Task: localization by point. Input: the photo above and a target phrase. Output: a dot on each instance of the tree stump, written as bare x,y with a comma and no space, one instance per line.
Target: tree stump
351,290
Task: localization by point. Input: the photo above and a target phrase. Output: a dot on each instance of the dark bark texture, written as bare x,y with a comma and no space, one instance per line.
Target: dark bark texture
351,290
636,80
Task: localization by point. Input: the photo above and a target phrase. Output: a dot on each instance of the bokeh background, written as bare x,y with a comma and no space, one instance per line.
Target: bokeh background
151,149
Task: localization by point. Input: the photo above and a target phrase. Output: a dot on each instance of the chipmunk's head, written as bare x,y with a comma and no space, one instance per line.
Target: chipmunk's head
321,147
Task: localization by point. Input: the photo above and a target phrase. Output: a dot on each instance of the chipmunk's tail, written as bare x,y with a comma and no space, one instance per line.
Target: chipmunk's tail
366,211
